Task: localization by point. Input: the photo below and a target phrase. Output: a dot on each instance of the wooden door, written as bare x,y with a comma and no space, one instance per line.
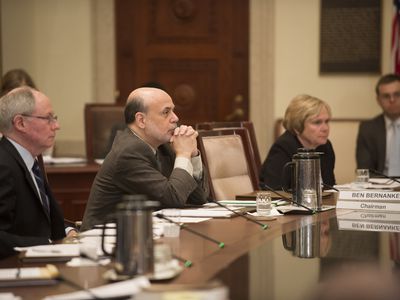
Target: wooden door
196,49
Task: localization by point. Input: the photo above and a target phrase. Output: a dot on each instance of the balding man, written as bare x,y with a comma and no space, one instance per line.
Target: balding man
152,156
29,215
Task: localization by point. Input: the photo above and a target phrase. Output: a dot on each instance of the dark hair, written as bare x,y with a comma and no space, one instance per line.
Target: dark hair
15,78
133,106
385,79
154,84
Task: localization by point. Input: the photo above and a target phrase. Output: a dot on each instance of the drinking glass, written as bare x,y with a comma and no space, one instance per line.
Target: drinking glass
263,203
362,178
172,229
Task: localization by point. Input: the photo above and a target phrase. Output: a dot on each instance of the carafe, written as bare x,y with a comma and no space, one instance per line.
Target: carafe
306,184
133,252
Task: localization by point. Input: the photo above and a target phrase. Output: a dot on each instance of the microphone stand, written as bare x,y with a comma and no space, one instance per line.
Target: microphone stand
263,226
330,187
266,187
183,226
384,175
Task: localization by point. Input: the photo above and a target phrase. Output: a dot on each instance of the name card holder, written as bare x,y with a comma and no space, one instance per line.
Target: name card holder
370,221
384,201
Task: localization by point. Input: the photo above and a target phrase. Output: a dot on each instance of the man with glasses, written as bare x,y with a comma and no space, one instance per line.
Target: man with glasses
378,141
29,215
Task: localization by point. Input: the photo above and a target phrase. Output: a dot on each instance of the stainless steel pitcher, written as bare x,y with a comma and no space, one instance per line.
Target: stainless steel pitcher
134,253
304,242
306,178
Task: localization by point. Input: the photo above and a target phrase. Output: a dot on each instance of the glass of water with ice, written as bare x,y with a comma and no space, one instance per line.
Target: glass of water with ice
263,203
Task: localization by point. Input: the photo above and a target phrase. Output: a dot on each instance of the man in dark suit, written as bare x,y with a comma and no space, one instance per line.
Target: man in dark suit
29,215
152,156
378,138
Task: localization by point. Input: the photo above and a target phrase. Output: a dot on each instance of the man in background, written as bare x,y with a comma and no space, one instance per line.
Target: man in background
153,156
378,141
29,215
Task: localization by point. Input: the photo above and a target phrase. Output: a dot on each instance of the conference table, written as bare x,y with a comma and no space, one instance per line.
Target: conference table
255,263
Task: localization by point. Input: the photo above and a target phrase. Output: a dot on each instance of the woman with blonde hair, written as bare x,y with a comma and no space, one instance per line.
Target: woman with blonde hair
307,126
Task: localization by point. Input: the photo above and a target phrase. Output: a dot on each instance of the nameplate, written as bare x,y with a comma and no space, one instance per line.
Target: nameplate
367,226
369,200
370,221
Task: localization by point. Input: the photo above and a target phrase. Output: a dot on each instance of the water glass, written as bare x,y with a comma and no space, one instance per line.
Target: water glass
362,178
172,229
263,203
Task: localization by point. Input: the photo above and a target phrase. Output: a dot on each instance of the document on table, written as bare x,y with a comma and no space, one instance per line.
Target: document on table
58,252
25,276
63,160
373,184
209,210
121,289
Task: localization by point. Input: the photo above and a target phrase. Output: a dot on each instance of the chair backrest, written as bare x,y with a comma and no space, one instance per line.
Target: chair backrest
229,159
343,135
100,120
236,124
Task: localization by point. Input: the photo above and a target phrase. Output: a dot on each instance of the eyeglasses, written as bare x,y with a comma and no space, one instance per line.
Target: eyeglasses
50,119
388,97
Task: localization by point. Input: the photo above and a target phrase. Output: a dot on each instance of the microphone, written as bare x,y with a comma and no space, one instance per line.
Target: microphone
263,226
384,175
266,187
183,226
187,263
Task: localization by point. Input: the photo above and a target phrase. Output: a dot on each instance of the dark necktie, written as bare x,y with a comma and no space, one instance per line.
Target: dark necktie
40,183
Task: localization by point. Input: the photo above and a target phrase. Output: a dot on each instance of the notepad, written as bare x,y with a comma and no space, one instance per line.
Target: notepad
26,276
48,253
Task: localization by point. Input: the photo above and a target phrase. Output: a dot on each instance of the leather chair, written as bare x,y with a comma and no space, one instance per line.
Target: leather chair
236,124
228,156
101,122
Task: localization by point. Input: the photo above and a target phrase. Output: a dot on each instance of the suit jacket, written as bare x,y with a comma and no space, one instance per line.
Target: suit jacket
132,168
282,152
371,144
23,221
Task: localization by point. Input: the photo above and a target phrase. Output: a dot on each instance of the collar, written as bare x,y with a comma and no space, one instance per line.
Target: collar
389,122
25,154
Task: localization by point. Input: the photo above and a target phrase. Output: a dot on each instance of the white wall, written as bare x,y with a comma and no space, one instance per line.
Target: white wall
68,47
294,61
297,64
52,40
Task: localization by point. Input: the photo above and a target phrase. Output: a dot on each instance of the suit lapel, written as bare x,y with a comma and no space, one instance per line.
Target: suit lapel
14,153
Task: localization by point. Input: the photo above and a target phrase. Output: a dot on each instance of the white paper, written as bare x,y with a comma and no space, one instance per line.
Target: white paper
99,161
373,184
63,160
206,212
274,212
58,250
119,289
21,273
9,296
246,203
